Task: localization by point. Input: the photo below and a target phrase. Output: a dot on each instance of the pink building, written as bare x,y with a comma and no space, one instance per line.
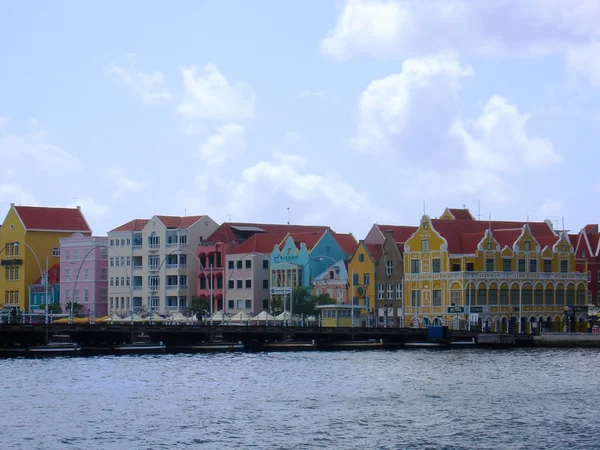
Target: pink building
84,273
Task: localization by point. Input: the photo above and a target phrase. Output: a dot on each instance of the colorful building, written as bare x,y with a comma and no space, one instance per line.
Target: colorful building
361,271
491,272
389,281
84,273
588,248
333,282
42,293
30,245
153,264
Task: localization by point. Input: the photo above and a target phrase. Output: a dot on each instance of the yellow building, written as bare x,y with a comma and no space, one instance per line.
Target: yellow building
361,274
493,273
29,244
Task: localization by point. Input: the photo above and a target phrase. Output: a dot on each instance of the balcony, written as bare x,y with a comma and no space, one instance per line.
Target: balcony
182,245
498,276
171,244
171,286
137,267
153,267
137,288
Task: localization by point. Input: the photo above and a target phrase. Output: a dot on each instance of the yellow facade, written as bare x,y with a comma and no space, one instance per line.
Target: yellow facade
524,279
19,266
361,276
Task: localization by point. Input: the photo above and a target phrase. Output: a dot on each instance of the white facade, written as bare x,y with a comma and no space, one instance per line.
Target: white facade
155,268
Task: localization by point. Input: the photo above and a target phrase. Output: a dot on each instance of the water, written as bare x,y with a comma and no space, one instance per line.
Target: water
407,399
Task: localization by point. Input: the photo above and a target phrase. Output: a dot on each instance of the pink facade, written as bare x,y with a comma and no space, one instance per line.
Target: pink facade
84,273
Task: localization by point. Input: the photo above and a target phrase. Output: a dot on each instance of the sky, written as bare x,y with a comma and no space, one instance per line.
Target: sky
328,112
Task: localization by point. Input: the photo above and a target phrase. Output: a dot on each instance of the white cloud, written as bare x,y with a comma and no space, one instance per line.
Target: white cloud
307,93
583,62
149,87
223,146
387,105
15,193
209,95
401,28
123,183
504,144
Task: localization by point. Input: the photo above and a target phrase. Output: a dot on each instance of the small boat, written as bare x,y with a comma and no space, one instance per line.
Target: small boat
357,345
218,344
57,345
142,343
290,344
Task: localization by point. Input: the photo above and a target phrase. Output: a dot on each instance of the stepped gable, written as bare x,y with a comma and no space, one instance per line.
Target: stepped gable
309,239
176,222
239,231
346,241
259,243
505,232
401,233
374,250
38,218
132,225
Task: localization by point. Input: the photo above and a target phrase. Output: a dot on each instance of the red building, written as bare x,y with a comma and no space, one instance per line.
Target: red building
587,247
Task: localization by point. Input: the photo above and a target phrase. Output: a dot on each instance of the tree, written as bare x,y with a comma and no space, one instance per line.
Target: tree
199,304
303,301
276,305
52,307
76,307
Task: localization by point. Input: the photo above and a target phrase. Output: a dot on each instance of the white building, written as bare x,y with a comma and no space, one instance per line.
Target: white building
153,263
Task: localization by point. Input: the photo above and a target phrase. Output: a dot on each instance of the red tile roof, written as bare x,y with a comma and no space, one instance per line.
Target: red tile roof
401,233
573,239
591,228
310,239
547,241
225,233
52,219
347,242
374,250
179,222
260,243
53,275
133,225
461,214
594,239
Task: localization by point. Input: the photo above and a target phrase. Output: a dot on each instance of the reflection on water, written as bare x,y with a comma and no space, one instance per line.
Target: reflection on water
411,399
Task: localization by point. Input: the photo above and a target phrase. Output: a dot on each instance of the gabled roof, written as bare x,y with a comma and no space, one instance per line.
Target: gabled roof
309,239
132,225
53,275
374,251
461,214
591,228
346,241
259,243
38,218
401,233
573,240
179,222
230,231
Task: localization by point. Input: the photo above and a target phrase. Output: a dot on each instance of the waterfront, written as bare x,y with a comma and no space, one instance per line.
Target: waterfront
414,399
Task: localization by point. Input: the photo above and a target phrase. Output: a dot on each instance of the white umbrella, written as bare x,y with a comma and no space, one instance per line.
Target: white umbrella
284,316
264,316
240,317
217,316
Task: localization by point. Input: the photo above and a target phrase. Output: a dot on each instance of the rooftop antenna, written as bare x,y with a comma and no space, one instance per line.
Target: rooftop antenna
184,212
424,208
563,223
478,209
229,217
490,222
288,215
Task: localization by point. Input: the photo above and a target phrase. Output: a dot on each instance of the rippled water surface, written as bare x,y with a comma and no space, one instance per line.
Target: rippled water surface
407,399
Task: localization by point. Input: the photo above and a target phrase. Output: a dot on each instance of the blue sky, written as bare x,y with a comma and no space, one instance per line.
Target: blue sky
347,112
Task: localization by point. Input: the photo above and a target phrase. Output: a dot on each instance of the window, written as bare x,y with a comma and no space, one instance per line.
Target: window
265,263
527,246
128,241
104,253
56,251
355,279
398,291
86,295
265,303
415,298
240,304
361,257
564,266
493,297
481,296
248,284
436,265
564,248
248,264
265,284
67,274
470,267
116,242
455,297
455,267
230,284
123,241
112,262
230,264
506,265
425,245
380,292
489,245
547,265
238,264
183,281
248,304
425,225
122,261
128,261
389,268
76,295
504,296
366,279
16,273
436,297
117,261
67,295
239,284
533,265
112,242
539,297
489,265
86,274
521,265
112,281
68,255
104,275
76,255
526,297
390,291
414,266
